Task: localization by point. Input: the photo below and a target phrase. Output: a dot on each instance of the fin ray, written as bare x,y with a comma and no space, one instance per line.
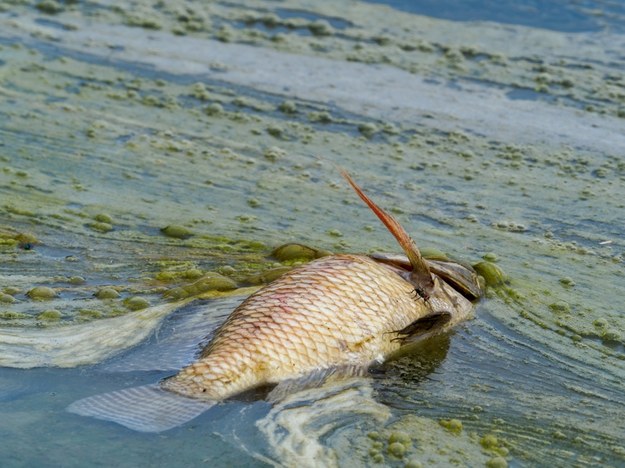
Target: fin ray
314,379
179,339
147,408
420,271
427,324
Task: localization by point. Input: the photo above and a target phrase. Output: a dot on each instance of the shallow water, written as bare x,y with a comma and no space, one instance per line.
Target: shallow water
227,121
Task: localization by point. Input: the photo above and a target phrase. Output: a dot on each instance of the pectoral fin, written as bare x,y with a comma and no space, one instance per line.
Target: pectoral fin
424,325
313,380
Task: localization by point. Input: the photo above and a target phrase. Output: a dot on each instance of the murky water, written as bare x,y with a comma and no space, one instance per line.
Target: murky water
151,153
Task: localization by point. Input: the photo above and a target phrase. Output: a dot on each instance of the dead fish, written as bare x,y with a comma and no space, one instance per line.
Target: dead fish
337,312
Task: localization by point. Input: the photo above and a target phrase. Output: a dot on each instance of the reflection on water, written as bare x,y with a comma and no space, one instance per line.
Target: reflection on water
223,122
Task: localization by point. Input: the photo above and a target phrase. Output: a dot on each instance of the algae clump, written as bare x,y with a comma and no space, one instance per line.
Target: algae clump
210,282
136,303
492,274
267,276
561,307
293,252
9,315
400,437
497,462
103,218
7,298
41,293
50,315
452,425
413,464
107,293
397,449
50,7
86,314
76,280
101,227
176,231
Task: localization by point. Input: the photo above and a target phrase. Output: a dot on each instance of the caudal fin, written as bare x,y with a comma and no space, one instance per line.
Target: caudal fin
420,271
147,408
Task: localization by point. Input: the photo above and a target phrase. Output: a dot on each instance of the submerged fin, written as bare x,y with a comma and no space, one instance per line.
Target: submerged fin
429,323
147,408
420,274
313,380
179,340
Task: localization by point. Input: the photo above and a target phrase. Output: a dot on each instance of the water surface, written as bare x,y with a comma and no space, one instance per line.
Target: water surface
226,122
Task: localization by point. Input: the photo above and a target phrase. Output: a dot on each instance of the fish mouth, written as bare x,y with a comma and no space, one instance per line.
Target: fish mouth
461,277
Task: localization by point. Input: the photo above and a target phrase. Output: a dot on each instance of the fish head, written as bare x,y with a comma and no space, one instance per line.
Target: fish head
449,298
461,277
455,288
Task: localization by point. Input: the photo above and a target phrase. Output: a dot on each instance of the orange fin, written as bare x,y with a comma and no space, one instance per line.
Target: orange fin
420,274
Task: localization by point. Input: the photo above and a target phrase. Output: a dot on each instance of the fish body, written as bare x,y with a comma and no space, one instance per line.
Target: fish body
336,312
340,310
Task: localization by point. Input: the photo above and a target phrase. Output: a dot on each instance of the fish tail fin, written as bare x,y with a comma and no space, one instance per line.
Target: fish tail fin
147,408
421,274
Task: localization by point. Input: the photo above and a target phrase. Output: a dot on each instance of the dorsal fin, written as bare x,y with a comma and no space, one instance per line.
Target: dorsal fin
420,274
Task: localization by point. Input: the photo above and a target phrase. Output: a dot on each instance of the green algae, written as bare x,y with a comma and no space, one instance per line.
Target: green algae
419,441
132,303
177,232
49,6
158,165
433,253
11,238
490,257
50,315
560,307
452,425
496,462
397,449
10,315
266,276
103,218
492,274
90,314
7,298
42,293
398,437
413,464
76,280
274,153
178,271
209,282
297,252
107,293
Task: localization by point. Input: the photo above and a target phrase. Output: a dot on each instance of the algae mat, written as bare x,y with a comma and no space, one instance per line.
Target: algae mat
151,152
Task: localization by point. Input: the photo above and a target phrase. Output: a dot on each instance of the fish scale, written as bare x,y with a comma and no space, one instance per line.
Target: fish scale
335,311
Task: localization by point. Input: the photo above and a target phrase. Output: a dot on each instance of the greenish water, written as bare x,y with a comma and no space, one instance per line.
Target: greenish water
566,16
226,123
